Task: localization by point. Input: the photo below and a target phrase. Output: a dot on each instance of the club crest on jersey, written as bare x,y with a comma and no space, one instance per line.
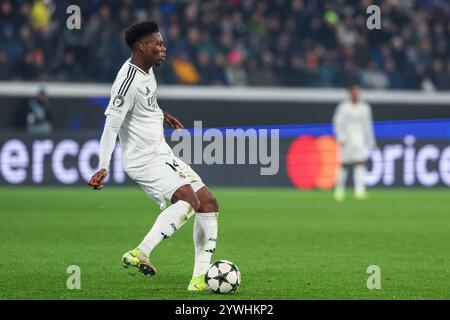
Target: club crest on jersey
118,101
152,104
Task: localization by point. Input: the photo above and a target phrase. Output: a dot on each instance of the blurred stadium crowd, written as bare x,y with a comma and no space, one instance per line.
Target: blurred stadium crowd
297,43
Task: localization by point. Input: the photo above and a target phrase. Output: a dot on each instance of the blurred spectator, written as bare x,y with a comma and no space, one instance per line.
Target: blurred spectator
31,67
346,32
70,69
234,70
206,68
312,74
417,78
396,80
41,13
185,70
35,115
296,76
374,78
5,67
347,75
235,42
439,76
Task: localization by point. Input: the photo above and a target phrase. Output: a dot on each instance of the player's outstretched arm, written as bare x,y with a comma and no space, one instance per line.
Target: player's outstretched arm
339,124
107,144
172,121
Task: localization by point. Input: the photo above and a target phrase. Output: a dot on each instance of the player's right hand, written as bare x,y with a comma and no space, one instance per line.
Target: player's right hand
98,178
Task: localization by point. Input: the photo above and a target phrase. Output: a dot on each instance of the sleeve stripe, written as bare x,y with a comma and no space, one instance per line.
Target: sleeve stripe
128,82
126,78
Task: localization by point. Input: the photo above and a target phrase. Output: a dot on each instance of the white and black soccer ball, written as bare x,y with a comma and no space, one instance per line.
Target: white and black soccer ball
223,276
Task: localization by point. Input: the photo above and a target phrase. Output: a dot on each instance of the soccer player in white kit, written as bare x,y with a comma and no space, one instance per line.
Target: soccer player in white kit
134,115
352,123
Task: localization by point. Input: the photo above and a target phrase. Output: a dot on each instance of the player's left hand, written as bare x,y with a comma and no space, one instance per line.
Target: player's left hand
96,181
172,121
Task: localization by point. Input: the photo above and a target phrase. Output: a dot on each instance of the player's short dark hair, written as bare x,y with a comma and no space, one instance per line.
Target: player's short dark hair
137,31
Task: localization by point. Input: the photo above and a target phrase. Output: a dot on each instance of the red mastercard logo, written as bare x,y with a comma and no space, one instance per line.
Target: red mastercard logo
312,162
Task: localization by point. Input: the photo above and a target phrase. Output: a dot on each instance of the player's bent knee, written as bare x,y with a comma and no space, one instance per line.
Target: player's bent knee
195,204
186,193
210,204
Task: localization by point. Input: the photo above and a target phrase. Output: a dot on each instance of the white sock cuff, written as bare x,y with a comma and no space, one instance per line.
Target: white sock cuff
186,207
183,203
206,215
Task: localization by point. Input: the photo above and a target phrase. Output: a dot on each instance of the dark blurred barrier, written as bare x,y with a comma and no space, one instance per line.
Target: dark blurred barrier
304,161
86,114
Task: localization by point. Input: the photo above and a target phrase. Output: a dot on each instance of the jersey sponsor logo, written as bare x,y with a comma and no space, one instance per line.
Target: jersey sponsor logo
148,91
118,101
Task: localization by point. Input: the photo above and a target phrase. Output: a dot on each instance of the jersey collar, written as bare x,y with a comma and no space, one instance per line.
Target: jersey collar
139,69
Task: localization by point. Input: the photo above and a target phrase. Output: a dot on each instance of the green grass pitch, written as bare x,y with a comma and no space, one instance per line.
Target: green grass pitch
289,244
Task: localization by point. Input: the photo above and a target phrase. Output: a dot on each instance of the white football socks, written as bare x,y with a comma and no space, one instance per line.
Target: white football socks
341,179
359,172
205,236
169,220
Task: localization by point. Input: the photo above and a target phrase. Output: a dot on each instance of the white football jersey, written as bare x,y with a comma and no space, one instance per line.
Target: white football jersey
133,99
353,124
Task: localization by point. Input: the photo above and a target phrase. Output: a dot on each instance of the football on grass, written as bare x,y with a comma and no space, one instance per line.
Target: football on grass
223,276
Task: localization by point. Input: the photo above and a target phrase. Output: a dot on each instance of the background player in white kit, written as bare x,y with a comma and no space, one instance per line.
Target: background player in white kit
352,123
133,114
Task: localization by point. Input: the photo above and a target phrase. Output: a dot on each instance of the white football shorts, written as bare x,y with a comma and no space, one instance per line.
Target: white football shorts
351,153
163,176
